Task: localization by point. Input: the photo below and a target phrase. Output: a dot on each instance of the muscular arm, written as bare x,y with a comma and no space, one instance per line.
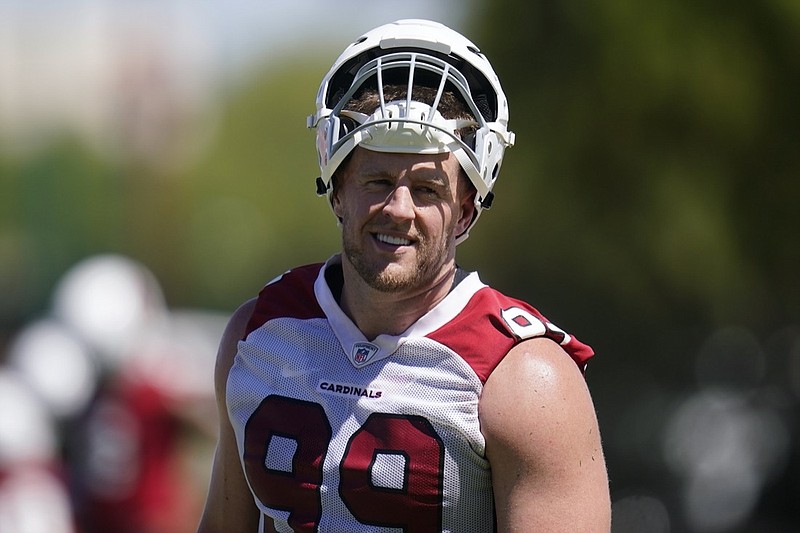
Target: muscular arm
229,505
543,443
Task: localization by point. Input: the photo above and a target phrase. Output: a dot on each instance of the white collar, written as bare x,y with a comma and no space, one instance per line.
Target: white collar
361,351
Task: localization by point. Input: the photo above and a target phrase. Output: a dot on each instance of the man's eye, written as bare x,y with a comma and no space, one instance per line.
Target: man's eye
427,190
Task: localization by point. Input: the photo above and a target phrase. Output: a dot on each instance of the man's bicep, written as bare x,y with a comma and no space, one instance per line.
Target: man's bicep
229,504
543,443
234,332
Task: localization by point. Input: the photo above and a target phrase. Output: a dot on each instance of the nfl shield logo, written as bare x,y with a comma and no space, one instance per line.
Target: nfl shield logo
363,352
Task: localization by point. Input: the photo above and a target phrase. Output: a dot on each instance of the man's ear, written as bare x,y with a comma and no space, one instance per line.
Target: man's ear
468,210
336,202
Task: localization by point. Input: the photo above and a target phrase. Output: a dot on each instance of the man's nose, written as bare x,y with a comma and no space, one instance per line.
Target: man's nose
399,204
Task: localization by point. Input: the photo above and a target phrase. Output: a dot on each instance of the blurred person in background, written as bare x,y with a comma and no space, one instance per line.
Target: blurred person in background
121,380
33,491
389,388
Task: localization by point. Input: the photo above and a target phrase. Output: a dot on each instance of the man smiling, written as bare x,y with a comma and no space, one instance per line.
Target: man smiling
400,214
472,413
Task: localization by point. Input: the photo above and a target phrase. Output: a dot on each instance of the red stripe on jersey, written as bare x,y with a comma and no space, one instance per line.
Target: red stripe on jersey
480,335
291,296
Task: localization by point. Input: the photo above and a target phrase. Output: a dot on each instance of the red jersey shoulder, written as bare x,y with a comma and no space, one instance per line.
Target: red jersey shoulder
291,295
493,323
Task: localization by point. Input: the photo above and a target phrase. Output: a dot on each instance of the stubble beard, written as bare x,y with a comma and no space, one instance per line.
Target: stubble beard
391,277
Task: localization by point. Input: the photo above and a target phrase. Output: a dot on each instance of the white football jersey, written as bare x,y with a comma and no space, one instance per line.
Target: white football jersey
338,433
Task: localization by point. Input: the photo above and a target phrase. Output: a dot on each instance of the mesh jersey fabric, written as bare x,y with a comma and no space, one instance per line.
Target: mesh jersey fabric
340,433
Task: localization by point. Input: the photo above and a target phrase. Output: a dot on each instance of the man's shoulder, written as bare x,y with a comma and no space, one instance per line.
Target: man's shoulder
289,295
492,308
492,323
476,332
304,275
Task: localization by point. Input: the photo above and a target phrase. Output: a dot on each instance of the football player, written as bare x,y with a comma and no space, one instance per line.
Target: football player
387,389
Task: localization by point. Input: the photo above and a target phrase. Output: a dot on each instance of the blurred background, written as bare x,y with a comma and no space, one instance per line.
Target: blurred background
155,172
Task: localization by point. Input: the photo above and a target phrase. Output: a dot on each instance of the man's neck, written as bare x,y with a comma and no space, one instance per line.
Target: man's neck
376,312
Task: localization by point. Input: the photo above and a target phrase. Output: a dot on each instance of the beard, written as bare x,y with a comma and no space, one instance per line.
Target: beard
395,276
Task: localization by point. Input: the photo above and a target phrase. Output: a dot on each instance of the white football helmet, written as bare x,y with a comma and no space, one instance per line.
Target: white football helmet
417,53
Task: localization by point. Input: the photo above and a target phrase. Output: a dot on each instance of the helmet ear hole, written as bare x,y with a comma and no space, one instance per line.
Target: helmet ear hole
346,125
469,139
322,189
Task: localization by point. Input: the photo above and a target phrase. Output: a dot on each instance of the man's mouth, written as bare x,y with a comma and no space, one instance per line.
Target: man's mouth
394,241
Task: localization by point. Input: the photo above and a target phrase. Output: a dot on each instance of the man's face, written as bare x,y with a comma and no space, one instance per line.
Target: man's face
400,215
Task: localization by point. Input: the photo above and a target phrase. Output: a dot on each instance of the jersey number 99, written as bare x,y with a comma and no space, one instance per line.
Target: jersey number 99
413,503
